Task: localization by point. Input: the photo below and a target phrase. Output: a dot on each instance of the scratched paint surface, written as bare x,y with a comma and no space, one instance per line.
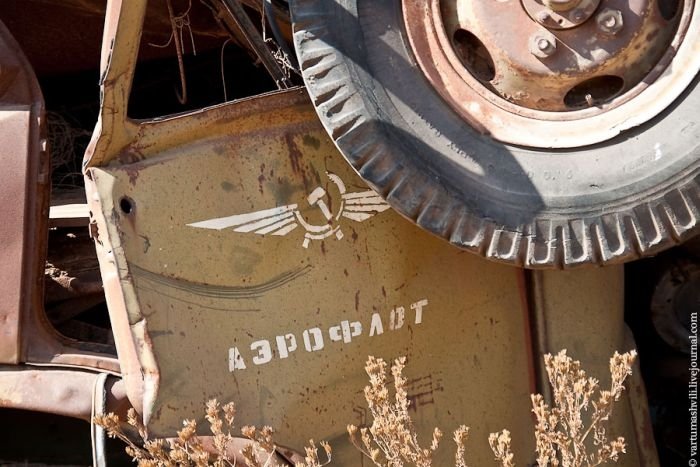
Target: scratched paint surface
282,324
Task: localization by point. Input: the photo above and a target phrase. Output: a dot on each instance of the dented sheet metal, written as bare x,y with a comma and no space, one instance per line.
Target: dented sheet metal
255,266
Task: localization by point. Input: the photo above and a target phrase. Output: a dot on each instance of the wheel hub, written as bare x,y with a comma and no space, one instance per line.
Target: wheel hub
560,14
565,55
507,65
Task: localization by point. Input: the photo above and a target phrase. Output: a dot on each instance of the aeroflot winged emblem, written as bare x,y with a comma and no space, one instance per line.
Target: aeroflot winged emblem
358,206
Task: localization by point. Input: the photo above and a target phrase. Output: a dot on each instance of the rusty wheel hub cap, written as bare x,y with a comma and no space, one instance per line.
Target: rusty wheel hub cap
536,72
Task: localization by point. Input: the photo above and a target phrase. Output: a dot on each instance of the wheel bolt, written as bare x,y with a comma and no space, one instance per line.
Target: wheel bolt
542,46
610,21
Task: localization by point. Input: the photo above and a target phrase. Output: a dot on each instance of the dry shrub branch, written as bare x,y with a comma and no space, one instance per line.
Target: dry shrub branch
391,440
189,449
572,432
569,433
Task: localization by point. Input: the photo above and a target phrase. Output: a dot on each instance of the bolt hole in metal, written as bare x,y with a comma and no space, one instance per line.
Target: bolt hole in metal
474,55
669,8
594,91
126,204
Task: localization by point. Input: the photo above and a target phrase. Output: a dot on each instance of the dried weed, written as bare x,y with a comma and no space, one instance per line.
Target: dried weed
567,434
391,440
561,432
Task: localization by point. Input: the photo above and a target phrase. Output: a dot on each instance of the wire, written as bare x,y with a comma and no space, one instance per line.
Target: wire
223,77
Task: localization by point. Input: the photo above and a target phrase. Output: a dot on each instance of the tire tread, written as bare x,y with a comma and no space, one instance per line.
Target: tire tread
654,224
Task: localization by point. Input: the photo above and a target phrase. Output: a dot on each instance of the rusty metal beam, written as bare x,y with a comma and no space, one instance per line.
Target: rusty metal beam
252,35
57,391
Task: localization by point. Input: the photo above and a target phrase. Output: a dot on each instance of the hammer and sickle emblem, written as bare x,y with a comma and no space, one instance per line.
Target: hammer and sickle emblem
357,206
315,198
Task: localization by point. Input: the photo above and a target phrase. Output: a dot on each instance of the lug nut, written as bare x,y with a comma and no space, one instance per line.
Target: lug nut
609,21
542,46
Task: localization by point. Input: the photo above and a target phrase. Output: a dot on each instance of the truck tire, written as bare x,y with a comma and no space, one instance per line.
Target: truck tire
607,183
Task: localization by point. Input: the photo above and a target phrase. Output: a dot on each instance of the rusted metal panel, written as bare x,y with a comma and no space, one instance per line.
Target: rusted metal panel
21,108
27,335
12,239
279,309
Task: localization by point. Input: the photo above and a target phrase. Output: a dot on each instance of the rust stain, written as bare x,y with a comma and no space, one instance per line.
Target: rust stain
295,155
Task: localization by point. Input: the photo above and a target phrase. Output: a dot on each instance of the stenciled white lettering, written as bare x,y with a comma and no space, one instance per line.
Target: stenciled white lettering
376,327
235,360
418,307
317,335
397,318
286,344
346,331
264,352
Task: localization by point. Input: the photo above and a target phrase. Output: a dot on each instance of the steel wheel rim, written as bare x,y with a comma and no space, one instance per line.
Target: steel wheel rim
522,126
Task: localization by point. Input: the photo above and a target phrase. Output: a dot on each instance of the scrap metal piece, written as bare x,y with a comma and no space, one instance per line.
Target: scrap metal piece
23,235
252,35
27,336
66,392
279,324
24,163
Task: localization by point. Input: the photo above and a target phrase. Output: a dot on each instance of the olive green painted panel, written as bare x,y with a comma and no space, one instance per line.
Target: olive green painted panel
256,266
